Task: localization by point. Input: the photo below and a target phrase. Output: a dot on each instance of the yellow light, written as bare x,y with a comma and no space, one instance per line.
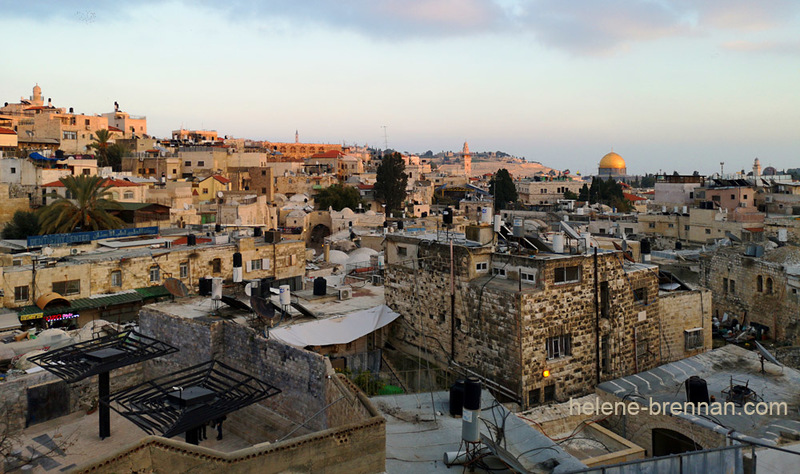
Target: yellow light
546,373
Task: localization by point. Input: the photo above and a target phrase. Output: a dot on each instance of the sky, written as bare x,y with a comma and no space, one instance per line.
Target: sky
670,85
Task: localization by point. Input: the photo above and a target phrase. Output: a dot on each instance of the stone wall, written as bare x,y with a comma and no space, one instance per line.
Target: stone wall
502,325
734,282
680,311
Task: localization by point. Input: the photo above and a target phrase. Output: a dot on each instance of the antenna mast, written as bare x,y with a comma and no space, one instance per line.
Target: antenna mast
385,138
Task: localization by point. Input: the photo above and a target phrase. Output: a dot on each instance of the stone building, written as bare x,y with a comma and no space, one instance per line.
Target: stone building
546,192
756,289
544,327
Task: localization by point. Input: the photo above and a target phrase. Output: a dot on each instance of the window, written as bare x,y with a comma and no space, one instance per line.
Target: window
534,397
691,194
640,295
559,346
13,170
201,163
151,171
769,286
670,225
187,163
708,231
651,225
205,190
174,171
402,251
759,284
70,135
745,196
724,285
482,266
155,274
66,288
629,230
550,393
567,274
686,228
263,190
733,196
732,286
254,265
184,270
499,271
86,171
263,172
605,299
116,278
527,276
21,293
216,265
693,339
128,195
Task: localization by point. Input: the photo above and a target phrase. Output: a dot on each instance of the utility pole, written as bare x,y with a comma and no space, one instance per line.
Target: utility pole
385,138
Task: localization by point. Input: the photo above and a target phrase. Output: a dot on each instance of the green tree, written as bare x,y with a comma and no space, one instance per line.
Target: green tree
101,144
584,194
338,197
21,225
114,154
502,188
87,208
570,195
391,182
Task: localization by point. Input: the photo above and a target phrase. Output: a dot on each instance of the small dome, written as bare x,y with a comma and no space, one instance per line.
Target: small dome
612,161
337,256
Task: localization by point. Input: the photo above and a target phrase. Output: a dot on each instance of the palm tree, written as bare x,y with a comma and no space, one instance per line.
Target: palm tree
101,144
87,207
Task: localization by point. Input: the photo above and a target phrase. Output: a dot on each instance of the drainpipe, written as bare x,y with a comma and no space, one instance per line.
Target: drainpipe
596,318
452,305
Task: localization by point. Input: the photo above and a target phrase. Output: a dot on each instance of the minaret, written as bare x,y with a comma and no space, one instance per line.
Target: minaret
296,136
36,98
756,168
467,160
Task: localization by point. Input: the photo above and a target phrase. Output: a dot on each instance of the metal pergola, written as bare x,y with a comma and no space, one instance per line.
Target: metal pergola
98,357
185,400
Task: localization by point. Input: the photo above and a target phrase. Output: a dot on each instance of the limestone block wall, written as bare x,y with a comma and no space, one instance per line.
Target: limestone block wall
678,312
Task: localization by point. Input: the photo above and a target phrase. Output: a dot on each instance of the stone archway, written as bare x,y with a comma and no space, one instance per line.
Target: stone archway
318,233
667,441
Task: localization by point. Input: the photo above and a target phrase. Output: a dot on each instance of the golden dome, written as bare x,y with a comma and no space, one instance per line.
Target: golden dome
612,161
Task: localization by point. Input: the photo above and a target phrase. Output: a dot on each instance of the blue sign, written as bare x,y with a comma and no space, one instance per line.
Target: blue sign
76,237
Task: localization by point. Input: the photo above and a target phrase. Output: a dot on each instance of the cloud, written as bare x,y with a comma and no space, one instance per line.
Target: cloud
741,15
780,47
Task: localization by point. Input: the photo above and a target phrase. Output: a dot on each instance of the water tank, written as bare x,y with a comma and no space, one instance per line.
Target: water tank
205,286
457,398
782,235
285,296
685,210
320,286
587,240
486,215
258,232
470,419
447,216
400,225
498,222
216,288
678,245
518,230
558,243
217,228
191,239
645,250
237,260
696,390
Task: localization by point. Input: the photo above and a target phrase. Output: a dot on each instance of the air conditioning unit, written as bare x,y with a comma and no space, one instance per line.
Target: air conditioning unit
377,280
768,199
73,251
345,293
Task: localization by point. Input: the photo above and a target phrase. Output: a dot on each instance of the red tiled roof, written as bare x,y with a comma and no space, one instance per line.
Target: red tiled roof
328,154
366,186
113,129
7,131
40,107
221,179
116,183
633,197
195,193
754,229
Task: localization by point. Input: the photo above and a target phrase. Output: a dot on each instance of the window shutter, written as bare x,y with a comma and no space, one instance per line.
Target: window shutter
265,264
249,266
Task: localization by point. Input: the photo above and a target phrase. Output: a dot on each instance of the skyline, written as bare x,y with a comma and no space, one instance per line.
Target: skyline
667,85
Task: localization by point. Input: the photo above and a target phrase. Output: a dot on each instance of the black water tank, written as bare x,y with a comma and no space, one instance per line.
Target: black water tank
645,243
678,245
457,398
191,239
400,225
257,232
205,286
217,228
320,286
472,393
237,260
447,216
696,390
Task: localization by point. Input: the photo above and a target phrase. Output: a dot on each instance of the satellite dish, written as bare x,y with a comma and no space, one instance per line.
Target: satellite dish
764,354
47,251
219,194
186,206
248,289
262,307
176,287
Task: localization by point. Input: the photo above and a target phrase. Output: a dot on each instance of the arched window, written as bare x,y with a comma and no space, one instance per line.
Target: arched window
760,284
769,286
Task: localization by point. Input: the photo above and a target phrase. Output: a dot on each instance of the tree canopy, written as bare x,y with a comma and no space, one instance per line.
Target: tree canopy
607,192
501,186
338,197
391,182
21,225
88,207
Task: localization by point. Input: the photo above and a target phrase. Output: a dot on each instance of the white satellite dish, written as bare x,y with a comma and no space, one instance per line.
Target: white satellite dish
764,354
47,251
219,194
185,206
248,290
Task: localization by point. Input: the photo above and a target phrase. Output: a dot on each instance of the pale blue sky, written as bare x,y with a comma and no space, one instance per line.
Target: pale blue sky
669,84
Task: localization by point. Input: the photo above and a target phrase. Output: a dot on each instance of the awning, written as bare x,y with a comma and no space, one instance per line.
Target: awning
96,301
338,330
9,321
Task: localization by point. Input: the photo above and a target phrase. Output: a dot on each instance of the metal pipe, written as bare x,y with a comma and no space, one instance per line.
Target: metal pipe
597,318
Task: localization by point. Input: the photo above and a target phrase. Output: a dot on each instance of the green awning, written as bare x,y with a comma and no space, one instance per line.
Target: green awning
100,301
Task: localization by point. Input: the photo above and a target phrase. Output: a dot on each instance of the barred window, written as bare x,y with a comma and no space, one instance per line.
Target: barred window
559,346
693,339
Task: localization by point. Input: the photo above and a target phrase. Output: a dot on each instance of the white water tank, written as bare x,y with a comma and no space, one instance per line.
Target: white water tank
587,240
284,295
497,223
486,215
685,210
782,235
216,288
558,242
518,230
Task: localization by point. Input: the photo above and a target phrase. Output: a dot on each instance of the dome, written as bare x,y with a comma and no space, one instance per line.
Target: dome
337,256
612,161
